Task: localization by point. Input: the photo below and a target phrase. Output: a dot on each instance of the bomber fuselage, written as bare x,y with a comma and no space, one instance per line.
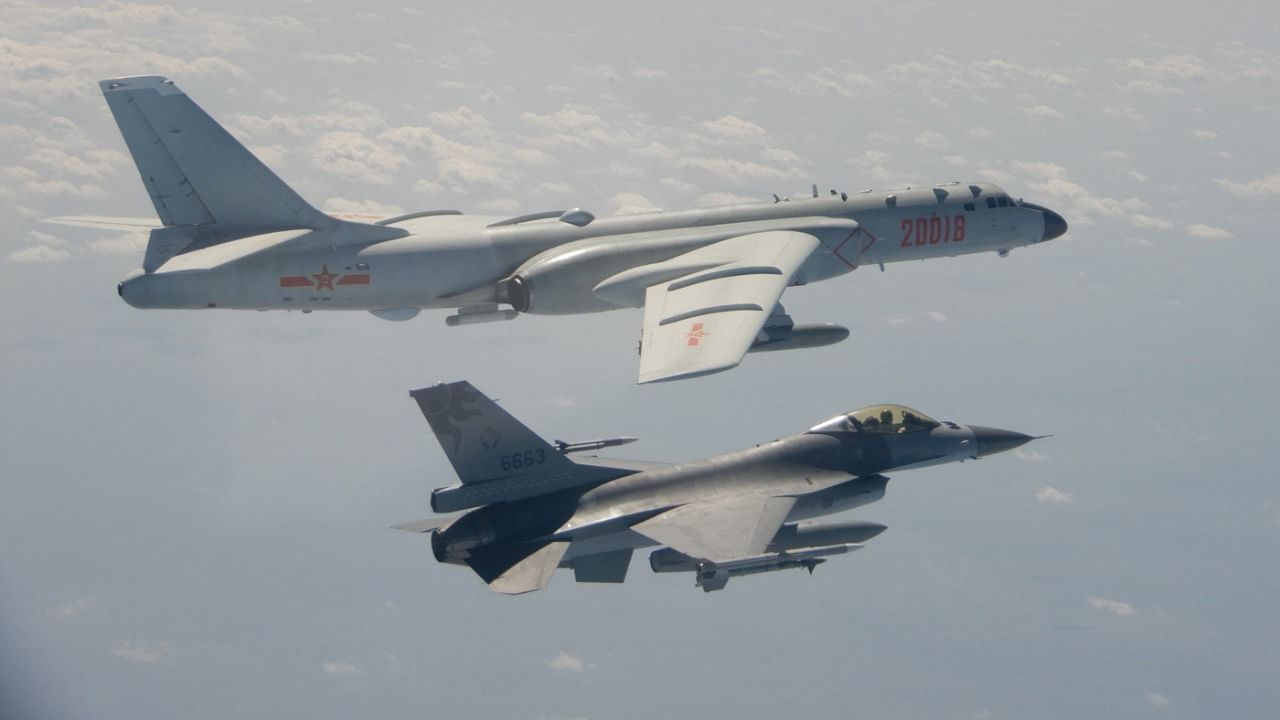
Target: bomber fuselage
551,266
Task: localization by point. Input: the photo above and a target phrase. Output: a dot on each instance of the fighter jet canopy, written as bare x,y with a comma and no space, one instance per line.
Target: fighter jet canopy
886,419
890,419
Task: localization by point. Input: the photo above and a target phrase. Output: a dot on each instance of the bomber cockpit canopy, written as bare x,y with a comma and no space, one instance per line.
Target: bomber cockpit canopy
884,419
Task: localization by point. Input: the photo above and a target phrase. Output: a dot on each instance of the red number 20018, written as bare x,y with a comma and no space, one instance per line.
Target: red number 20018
932,230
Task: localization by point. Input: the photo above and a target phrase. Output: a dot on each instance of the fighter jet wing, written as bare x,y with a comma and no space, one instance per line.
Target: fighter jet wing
705,321
720,530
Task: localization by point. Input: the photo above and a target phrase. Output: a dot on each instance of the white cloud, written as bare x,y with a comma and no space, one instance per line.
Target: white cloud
575,127
1128,115
565,661
1208,232
1044,111
631,203
131,243
599,72
1163,75
44,248
342,668
1115,607
730,170
734,129
1030,455
464,118
343,206
823,81
73,608
937,316
1206,134
1269,185
649,73
1157,700
353,156
1146,221
930,139
357,58
723,198
1052,181
147,653
1053,496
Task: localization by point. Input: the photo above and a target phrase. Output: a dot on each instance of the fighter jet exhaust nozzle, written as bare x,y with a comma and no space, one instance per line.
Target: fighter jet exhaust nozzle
994,440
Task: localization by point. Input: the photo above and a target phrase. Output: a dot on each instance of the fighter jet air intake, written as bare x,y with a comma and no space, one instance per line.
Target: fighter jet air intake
233,235
532,509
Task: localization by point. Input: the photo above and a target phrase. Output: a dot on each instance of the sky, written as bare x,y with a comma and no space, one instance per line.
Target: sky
197,505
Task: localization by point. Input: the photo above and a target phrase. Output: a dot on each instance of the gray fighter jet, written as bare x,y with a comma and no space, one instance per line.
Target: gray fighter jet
234,235
533,509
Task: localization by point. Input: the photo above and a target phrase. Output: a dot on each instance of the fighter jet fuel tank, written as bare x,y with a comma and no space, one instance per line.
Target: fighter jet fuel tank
796,545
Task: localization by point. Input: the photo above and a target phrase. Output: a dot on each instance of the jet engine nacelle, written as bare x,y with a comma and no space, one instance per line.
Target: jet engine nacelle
559,281
799,336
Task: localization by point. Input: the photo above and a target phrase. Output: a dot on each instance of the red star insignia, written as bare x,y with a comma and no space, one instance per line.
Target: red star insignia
324,278
695,334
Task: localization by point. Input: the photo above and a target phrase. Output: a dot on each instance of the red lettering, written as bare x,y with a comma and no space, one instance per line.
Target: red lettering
932,230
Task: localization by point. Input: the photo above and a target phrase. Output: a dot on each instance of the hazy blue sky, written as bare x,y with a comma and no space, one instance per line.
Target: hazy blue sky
196,505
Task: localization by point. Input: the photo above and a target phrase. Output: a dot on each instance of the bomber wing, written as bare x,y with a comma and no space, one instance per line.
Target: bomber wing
722,529
706,321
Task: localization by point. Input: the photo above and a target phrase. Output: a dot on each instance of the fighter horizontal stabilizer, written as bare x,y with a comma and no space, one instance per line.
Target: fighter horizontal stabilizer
518,569
425,525
707,320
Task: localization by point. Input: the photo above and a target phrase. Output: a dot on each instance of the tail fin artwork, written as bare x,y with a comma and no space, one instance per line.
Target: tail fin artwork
195,172
497,457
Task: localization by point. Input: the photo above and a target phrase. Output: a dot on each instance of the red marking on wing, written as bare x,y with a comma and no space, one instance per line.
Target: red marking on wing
695,335
295,281
354,279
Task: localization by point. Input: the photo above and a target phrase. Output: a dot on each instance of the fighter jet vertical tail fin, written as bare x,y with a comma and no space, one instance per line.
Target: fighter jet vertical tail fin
483,441
196,173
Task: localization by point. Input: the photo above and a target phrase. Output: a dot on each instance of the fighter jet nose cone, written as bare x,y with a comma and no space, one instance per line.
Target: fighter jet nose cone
994,440
1054,225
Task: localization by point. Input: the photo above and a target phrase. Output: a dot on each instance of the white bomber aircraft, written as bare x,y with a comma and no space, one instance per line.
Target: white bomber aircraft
236,236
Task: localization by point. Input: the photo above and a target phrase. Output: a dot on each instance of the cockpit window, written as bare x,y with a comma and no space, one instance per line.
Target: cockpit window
890,419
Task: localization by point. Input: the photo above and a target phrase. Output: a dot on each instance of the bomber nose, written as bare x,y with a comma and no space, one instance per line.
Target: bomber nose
1054,224
994,440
